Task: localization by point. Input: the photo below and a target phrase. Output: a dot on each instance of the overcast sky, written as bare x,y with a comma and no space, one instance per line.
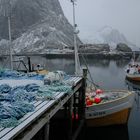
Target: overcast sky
91,15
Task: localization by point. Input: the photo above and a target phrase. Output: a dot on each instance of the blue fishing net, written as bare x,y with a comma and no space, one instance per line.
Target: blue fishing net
11,74
60,87
11,113
5,88
31,87
10,122
45,93
50,91
21,95
15,102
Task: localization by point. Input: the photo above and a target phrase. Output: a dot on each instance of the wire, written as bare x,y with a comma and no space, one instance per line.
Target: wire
92,81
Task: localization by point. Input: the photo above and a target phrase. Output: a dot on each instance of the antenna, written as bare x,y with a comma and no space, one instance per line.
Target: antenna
5,10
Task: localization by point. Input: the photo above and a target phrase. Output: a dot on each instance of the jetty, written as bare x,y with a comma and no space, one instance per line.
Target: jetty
39,123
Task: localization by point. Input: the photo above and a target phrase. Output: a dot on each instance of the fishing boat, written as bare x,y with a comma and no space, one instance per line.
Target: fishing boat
108,108
133,70
133,77
103,108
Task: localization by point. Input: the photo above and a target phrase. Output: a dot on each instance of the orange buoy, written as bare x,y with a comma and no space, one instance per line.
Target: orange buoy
89,102
97,100
99,91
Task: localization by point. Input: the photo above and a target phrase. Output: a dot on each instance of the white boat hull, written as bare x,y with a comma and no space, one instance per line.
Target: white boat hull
134,77
103,112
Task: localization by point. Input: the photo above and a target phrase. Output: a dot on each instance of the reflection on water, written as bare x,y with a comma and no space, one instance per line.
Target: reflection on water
96,62
134,86
109,74
134,119
118,132
122,63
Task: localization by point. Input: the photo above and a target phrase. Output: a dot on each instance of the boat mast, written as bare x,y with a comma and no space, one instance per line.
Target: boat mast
75,41
6,5
10,40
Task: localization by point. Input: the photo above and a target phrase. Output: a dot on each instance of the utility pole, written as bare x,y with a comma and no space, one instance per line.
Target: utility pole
6,12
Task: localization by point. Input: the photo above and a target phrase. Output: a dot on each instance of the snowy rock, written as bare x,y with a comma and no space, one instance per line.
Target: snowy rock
123,48
37,25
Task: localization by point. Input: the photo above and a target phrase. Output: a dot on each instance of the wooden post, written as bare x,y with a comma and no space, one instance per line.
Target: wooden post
81,108
70,110
83,90
46,131
29,64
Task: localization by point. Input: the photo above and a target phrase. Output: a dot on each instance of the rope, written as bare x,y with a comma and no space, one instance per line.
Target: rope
92,81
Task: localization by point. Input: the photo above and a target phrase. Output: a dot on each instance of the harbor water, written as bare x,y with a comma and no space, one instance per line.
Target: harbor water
108,74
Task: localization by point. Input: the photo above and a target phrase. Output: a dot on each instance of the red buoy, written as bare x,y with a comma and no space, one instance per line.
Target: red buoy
97,100
76,116
99,91
89,102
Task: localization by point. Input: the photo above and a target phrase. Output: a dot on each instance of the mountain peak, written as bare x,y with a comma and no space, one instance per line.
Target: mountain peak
37,25
106,29
111,36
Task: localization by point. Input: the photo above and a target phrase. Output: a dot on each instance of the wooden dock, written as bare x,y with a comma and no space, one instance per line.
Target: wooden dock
39,119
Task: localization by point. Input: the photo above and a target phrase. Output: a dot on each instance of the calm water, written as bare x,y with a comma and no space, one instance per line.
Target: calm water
109,74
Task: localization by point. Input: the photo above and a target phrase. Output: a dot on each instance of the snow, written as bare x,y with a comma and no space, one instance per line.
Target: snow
52,28
108,35
22,82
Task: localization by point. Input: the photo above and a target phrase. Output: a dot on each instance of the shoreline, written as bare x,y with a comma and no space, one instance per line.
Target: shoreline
101,55
88,55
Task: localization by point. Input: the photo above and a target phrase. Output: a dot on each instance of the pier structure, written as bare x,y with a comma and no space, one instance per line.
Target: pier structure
39,123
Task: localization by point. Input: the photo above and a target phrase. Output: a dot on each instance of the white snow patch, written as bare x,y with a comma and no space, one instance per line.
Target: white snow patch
52,28
23,82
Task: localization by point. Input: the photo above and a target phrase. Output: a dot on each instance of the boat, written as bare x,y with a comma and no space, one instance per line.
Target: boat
133,70
103,107
108,108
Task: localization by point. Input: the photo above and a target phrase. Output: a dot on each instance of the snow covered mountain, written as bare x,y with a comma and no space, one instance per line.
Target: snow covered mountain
36,26
108,35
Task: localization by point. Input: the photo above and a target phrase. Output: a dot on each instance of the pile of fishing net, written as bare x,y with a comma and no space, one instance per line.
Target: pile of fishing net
11,74
16,101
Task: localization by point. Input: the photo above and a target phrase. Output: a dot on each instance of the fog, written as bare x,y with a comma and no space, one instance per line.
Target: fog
91,15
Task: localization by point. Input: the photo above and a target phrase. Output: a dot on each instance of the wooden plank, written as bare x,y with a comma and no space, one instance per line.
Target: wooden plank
39,106
1,129
78,79
71,79
35,103
44,119
59,96
14,132
26,117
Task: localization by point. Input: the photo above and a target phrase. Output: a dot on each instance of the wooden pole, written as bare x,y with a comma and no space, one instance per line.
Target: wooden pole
46,131
29,64
83,90
70,110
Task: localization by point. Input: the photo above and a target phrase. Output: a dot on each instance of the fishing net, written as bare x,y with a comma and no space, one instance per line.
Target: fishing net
10,74
10,113
16,101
